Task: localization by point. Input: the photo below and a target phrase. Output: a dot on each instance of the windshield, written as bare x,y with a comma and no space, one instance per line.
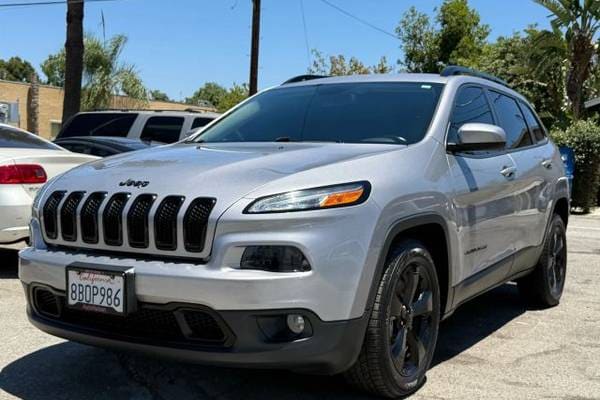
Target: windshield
99,124
380,112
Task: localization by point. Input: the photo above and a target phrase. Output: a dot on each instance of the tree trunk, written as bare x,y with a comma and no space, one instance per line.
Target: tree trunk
73,59
582,51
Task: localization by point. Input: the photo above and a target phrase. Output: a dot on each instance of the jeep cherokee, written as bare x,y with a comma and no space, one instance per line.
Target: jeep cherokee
326,225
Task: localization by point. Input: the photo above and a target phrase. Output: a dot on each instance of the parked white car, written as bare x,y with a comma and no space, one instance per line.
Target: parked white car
26,163
162,126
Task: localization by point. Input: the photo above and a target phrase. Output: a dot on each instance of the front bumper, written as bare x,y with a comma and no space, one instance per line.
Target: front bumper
327,348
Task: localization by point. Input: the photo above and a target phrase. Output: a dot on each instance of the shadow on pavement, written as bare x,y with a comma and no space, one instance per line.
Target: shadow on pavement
478,319
9,261
69,370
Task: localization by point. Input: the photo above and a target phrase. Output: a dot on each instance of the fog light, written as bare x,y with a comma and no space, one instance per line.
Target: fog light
295,323
274,259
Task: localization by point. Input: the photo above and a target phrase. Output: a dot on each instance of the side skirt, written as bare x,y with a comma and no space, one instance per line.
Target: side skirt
513,267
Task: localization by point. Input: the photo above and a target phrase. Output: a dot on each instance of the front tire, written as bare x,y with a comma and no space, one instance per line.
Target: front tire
403,326
545,285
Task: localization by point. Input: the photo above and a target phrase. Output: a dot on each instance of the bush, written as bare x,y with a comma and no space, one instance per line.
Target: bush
584,138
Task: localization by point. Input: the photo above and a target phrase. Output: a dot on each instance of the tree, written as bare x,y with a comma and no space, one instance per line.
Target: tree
104,75
578,21
337,65
461,35
458,35
532,63
419,42
235,95
213,94
16,69
210,92
158,95
73,59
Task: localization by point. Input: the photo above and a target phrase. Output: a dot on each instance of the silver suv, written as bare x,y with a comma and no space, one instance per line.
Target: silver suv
326,225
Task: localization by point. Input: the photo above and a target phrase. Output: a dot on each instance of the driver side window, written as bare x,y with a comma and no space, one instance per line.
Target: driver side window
470,105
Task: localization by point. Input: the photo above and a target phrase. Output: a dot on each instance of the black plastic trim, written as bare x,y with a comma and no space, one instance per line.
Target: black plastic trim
165,238
196,243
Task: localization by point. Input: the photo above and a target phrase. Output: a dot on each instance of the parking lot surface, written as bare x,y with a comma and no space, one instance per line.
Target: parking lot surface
493,347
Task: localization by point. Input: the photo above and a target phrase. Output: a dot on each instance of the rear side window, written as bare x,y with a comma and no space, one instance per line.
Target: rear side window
534,123
15,139
200,122
99,124
163,129
511,120
471,106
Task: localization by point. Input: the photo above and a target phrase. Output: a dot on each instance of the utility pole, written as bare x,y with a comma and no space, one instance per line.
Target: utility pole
254,47
73,59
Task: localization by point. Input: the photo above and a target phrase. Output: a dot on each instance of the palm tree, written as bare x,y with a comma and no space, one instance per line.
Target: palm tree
73,59
105,76
578,21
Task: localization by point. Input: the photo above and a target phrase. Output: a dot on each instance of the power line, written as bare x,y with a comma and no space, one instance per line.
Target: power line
48,3
362,21
305,33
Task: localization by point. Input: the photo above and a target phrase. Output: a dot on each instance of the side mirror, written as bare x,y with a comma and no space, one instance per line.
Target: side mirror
476,136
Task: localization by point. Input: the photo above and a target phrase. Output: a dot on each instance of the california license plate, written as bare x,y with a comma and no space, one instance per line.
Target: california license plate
97,290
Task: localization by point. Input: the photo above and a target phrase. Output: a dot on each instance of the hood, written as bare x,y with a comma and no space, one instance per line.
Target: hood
226,171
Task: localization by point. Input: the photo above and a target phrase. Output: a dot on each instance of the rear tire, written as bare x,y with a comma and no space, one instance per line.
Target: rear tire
403,326
545,285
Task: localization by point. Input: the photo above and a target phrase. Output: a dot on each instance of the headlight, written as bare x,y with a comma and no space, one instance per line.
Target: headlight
343,195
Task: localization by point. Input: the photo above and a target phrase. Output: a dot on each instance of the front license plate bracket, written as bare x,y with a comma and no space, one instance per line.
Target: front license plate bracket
128,274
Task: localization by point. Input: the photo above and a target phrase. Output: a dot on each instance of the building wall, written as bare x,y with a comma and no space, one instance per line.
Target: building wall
51,102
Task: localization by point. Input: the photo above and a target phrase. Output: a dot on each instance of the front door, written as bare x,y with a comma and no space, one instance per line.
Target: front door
484,197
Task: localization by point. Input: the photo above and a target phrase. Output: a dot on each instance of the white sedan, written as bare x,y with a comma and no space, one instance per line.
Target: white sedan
26,163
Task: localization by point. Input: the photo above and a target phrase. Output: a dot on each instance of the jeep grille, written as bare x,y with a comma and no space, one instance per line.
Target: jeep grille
124,222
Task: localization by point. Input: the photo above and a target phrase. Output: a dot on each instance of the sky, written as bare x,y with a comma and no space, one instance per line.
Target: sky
178,45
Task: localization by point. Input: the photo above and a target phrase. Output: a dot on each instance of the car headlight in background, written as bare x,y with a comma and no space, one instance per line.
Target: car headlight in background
347,194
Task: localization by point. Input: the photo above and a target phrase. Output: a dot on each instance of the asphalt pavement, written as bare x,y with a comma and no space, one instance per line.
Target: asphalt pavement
493,347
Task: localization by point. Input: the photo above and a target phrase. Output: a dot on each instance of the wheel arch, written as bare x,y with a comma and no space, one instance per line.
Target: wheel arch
432,230
562,208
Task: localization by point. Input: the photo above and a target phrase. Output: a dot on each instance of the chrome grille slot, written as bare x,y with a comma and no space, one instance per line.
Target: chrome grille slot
68,217
165,222
112,219
137,220
89,217
195,223
50,214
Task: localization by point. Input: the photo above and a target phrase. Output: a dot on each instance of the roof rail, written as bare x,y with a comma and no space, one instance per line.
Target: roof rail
302,78
188,110
453,70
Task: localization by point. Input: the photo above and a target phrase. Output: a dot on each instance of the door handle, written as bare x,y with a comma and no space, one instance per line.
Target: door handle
547,164
508,172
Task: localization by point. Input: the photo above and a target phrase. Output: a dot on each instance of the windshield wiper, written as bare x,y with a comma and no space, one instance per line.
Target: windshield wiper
283,139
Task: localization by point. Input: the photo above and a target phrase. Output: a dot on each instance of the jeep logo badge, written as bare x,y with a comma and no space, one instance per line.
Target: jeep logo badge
137,184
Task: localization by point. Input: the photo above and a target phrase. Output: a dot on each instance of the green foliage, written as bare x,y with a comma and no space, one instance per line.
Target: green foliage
578,22
419,42
533,64
158,95
457,36
222,99
211,93
583,137
16,69
338,65
461,35
235,94
104,75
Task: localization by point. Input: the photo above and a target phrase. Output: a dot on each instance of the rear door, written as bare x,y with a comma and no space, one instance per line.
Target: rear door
530,180
484,198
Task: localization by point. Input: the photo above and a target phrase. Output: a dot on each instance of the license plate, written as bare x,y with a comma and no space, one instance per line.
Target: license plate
97,290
